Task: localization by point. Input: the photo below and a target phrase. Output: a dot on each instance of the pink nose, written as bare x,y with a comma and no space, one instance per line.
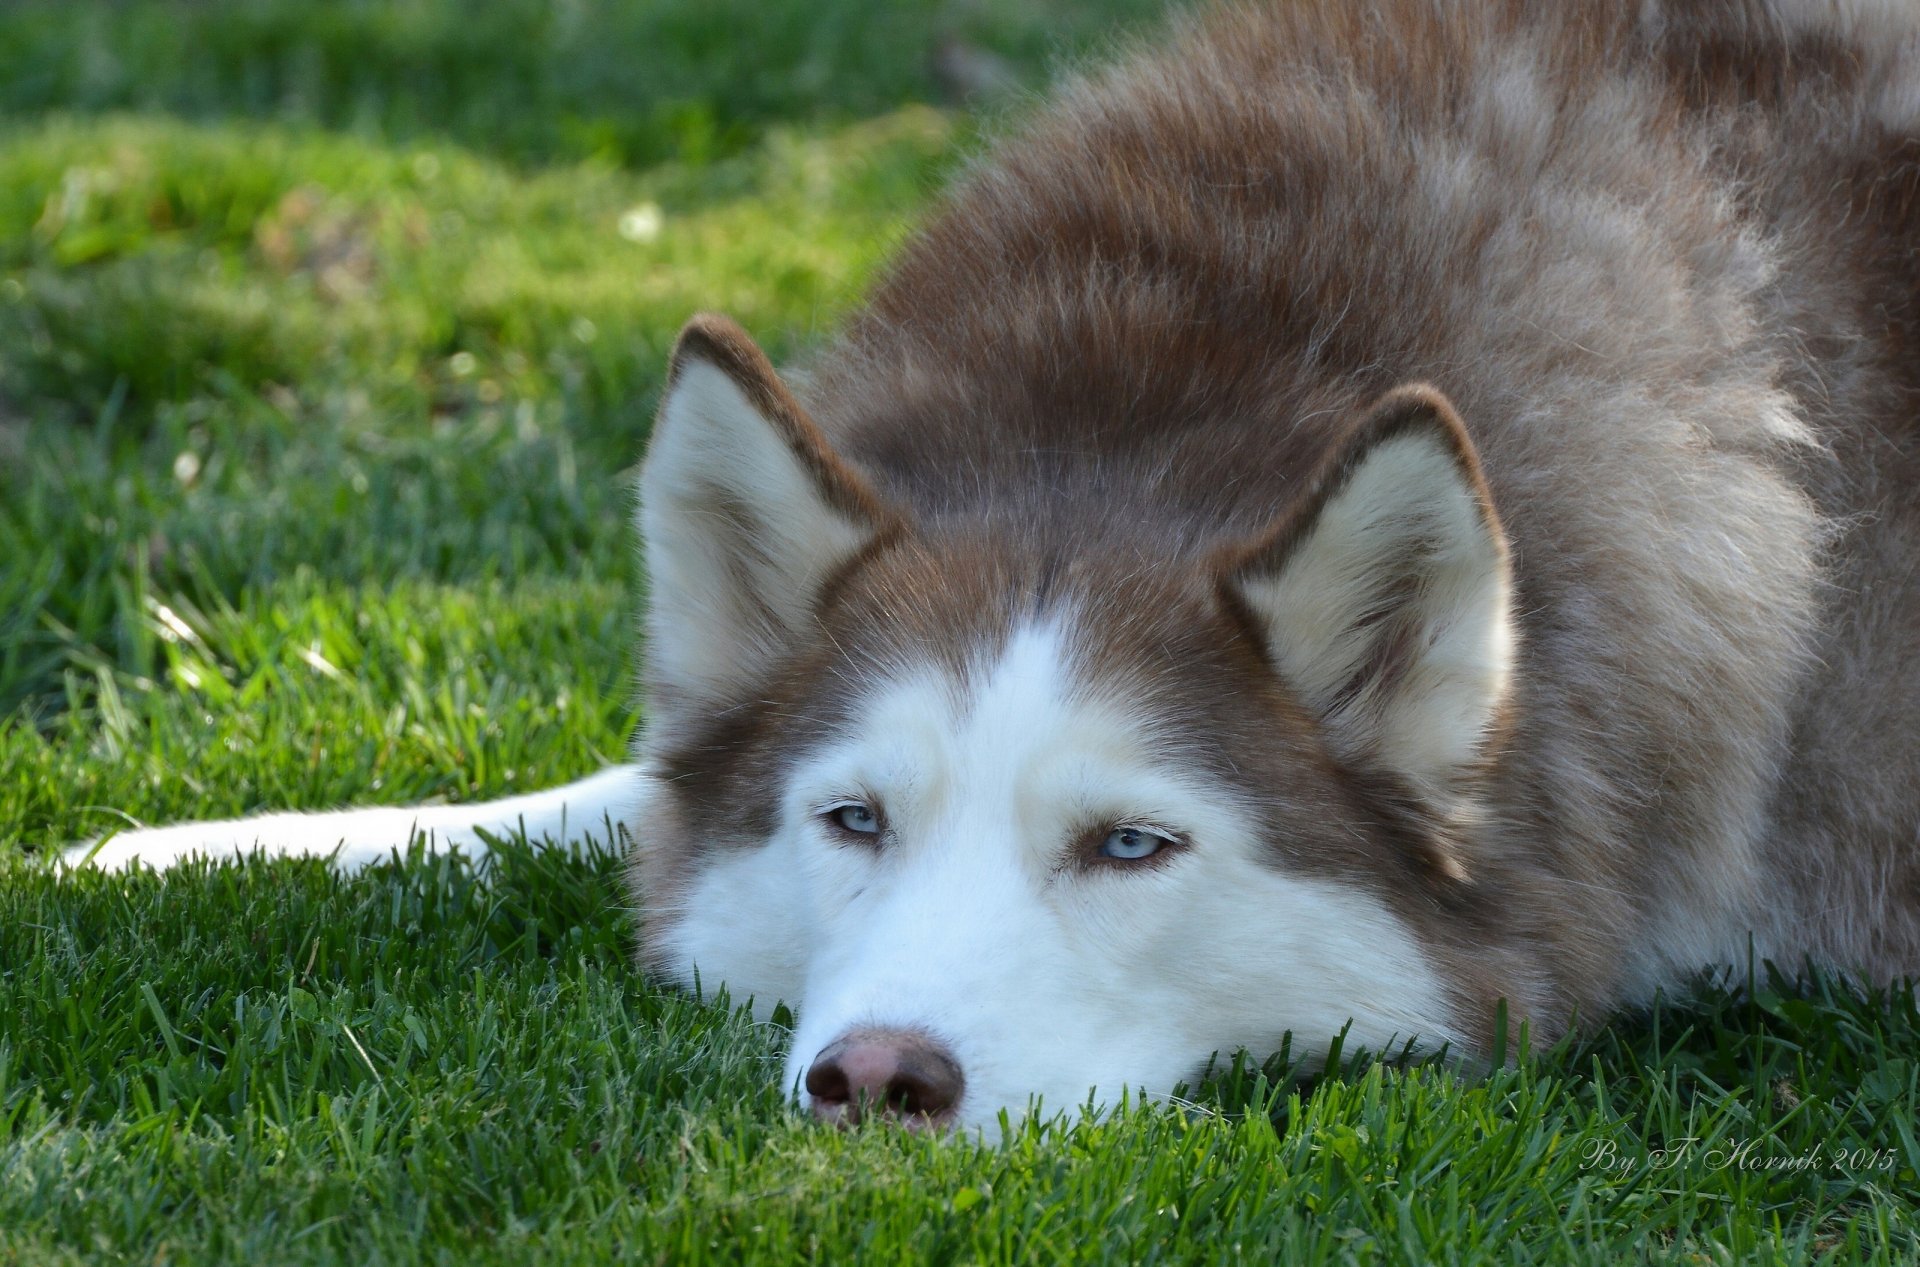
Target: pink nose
897,1073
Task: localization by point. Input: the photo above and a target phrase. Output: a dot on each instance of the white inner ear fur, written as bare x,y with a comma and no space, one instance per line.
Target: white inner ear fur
1391,616
739,537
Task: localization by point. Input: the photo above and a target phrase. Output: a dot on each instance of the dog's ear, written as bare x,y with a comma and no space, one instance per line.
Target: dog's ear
745,512
1383,598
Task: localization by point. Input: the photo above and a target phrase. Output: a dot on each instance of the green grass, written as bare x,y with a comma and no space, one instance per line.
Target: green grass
329,334
269,1063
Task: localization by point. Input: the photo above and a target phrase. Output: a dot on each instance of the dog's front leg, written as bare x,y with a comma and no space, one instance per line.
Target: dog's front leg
591,809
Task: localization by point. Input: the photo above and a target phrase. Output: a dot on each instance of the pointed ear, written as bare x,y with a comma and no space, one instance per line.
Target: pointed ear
1384,598
745,512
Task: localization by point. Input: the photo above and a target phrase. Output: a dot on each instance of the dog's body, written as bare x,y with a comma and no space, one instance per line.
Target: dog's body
1351,519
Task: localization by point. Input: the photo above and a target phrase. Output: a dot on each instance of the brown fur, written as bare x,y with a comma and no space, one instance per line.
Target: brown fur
1664,267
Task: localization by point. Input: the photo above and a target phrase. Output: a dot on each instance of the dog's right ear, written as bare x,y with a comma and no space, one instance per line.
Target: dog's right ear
745,512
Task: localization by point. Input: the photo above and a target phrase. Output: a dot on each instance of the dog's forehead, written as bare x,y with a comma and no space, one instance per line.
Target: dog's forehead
1013,702
1010,664
999,710
1089,611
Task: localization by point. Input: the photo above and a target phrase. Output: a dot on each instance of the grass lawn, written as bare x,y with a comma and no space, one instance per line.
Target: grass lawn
329,335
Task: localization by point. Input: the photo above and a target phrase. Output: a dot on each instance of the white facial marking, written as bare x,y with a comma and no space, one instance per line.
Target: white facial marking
979,921
742,924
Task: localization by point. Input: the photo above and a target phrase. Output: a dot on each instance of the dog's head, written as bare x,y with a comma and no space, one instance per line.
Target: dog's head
1013,810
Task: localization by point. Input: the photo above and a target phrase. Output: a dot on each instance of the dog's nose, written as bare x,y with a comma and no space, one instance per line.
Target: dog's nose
898,1073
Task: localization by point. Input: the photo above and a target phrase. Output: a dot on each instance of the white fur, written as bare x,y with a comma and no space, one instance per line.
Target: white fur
742,924
970,921
588,810
738,538
1407,500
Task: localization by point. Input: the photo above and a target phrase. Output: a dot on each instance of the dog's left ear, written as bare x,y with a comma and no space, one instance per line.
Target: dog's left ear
745,513
1383,598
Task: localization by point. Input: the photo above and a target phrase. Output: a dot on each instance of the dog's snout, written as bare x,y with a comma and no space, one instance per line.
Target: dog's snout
898,1073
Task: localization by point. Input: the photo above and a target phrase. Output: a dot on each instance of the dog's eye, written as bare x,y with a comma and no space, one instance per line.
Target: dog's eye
856,818
1130,844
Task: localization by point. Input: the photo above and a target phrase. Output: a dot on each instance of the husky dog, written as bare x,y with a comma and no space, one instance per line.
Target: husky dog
1361,514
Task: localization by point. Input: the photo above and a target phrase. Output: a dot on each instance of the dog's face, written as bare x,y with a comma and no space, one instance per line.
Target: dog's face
1009,826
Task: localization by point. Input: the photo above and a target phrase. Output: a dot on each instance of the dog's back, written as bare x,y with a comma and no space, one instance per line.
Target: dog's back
1813,111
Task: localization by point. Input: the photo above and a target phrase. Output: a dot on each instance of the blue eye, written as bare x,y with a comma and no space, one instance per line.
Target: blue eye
1130,844
856,818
